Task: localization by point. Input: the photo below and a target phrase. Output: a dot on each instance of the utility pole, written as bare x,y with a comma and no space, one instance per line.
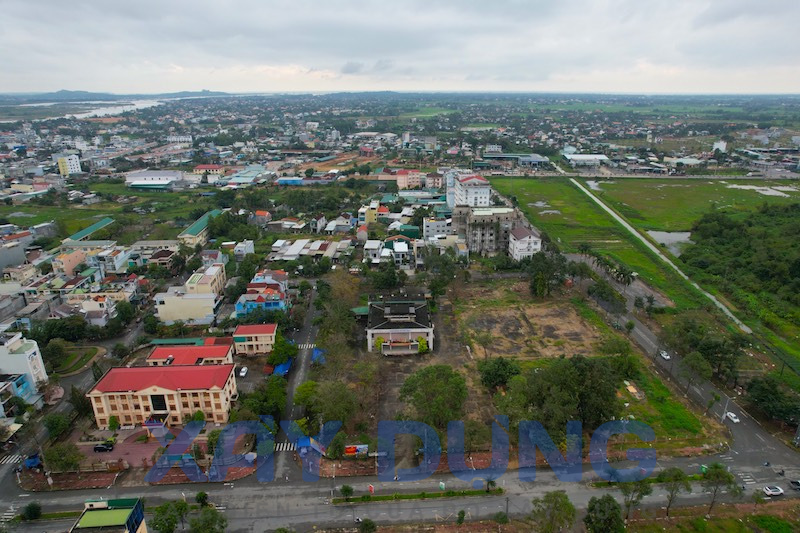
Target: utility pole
506,505
725,410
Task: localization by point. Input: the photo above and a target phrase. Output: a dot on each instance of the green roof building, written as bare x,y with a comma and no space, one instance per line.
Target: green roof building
125,515
86,232
197,233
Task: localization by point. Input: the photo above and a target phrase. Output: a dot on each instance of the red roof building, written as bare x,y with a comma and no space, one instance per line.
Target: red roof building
207,354
255,339
167,395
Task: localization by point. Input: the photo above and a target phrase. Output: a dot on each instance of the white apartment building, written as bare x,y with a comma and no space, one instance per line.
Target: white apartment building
472,191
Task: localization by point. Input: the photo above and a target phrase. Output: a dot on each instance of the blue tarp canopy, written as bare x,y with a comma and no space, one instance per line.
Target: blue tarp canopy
283,369
318,356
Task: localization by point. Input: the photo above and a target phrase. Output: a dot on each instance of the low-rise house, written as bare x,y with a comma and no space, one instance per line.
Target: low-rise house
260,217
255,339
523,243
317,223
396,325
243,248
163,396
210,257
372,251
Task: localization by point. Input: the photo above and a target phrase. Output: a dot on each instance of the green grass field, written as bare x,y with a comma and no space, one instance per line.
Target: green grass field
675,204
569,217
427,112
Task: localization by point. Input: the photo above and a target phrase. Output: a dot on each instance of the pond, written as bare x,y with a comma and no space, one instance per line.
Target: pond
675,241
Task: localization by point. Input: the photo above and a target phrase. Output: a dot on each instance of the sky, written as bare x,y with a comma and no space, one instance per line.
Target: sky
587,46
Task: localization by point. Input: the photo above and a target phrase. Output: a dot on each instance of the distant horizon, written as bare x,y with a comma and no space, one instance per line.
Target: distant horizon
378,91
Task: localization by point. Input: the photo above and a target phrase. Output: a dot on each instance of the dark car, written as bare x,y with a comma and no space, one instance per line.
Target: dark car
795,484
103,447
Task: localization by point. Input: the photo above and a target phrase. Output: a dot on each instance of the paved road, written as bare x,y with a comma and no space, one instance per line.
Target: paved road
661,255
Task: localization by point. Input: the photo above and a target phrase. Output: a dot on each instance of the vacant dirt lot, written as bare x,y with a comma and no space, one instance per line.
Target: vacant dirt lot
522,327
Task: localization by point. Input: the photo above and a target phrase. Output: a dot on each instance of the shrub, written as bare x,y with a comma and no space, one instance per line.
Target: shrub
32,511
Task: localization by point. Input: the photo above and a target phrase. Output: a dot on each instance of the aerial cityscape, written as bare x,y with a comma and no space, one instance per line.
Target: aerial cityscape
439,267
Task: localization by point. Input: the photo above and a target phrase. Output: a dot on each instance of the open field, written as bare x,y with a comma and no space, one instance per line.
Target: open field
523,328
537,332
675,204
569,217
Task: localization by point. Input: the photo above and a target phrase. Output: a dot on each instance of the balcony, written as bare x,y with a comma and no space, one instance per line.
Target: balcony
400,348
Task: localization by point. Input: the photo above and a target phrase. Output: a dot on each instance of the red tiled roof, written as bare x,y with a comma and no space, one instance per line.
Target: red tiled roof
383,209
123,379
15,236
256,329
218,341
188,355
262,213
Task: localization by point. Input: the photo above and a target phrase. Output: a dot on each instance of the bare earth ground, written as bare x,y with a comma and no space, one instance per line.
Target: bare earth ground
527,329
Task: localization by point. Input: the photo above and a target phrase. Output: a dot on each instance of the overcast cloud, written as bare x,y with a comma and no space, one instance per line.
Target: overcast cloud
650,46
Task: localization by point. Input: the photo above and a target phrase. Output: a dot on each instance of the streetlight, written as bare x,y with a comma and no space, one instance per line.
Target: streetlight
725,410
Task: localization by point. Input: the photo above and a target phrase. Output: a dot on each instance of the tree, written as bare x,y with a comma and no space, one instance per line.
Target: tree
212,440
63,457
55,352
120,350
484,339
346,491
490,484
113,423
56,425
495,373
714,399
32,511
151,323
181,509
694,368
209,521
367,526
716,479
674,481
125,311
97,371
461,515
553,512
79,401
604,515
633,492
334,401
757,500
199,416
201,498
436,393
305,393
336,447
165,519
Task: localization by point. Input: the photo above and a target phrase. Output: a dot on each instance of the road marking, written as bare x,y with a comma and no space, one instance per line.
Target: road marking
285,447
8,459
307,346
759,437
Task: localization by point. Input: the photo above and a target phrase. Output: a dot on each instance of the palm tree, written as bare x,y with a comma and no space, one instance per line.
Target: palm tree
585,248
490,484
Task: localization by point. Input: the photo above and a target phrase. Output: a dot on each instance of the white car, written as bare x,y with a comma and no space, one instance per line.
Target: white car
243,372
770,490
664,355
732,417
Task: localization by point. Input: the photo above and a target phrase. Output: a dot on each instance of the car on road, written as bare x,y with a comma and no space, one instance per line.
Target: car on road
771,490
732,417
664,355
795,484
243,372
104,447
